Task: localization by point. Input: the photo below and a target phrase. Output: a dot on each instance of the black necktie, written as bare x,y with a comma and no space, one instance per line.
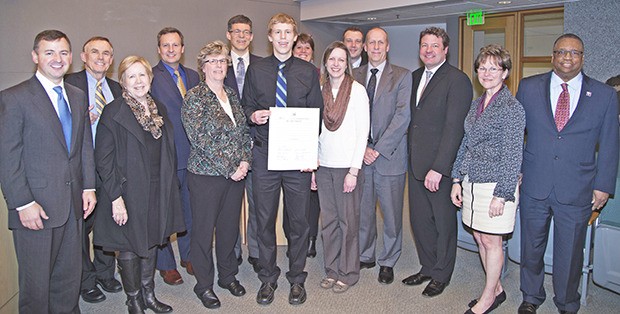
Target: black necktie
370,89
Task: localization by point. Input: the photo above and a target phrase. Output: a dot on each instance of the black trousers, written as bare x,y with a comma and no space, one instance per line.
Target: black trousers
433,221
296,188
216,207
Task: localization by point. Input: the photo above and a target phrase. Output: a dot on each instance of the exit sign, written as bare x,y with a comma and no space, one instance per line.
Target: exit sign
475,18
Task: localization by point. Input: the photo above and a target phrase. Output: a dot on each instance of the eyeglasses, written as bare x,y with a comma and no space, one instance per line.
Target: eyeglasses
572,53
238,32
216,61
492,70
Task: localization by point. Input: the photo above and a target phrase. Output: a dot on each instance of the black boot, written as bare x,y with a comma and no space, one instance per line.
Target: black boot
312,247
130,276
148,285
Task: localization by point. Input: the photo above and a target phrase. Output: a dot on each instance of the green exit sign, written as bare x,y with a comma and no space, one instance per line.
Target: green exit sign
475,18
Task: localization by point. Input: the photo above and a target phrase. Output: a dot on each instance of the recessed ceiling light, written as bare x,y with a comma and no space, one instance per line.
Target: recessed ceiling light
504,2
371,18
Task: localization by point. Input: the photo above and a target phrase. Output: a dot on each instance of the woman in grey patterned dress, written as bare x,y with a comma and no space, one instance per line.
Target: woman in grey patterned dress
486,170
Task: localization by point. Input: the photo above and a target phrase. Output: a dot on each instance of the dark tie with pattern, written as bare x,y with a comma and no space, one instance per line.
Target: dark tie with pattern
370,89
65,116
240,76
562,109
281,87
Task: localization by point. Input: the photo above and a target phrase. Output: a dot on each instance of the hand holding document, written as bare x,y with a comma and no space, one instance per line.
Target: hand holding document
293,138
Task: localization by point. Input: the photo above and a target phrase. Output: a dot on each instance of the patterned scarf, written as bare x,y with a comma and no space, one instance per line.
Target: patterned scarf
150,122
334,110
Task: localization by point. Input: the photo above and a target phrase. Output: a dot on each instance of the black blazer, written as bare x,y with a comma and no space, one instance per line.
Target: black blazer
34,164
436,127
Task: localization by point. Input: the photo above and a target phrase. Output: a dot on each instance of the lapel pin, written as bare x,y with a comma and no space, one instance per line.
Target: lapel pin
588,93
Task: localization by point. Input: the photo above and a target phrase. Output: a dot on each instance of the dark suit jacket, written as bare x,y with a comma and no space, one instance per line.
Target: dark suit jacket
34,164
390,117
164,89
123,163
231,76
80,81
436,127
565,161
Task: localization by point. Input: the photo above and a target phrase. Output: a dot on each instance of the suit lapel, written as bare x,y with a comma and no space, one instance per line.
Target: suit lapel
584,99
435,79
43,102
77,110
168,79
384,82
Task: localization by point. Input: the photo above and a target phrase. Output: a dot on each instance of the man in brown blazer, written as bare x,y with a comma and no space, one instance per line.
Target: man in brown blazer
47,173
440,101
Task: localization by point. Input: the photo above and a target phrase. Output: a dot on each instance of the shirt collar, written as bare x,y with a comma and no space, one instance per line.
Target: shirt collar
575,82
433,70
380,67
47,84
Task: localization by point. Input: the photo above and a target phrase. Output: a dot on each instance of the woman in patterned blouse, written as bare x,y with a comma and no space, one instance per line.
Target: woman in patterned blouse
486,170
218,163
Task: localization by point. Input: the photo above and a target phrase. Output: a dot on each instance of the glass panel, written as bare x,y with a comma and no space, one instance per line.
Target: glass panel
539,33
533,68
481,39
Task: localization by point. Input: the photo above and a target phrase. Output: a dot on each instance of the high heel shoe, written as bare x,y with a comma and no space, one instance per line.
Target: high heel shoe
499,299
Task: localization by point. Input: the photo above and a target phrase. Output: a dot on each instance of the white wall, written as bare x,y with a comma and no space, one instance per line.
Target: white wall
404,47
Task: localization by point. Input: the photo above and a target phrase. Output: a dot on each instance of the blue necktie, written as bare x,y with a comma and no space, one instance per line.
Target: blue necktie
65,116
281,87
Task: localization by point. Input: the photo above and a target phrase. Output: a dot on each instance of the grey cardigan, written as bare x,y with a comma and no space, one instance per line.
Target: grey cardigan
492,147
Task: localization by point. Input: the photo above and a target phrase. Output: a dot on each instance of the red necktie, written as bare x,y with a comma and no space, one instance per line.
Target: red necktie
562,110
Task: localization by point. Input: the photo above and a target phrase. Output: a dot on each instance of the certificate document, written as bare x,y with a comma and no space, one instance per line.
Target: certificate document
293,138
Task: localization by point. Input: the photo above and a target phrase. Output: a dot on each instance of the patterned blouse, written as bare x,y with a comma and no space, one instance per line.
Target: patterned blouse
492,147
218,146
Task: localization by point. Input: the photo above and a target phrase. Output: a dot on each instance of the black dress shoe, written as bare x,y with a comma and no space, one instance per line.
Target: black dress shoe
234,287
567,312
266,293
110,285
500,298
434,288
527,308
297,295
367,265
416,279
312,248
254,262
209,299
386,275
93,295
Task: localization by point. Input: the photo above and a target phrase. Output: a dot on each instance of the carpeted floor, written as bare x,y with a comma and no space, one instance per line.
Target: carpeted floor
368,296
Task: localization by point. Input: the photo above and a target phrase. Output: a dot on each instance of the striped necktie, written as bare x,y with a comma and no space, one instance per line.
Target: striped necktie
99,98
281,87
180,84
65,116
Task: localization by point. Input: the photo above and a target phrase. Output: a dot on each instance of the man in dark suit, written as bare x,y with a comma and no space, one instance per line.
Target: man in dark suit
569,117
240,36
353,38
47,174
296,84
171,80
385,159
97,55
440,100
